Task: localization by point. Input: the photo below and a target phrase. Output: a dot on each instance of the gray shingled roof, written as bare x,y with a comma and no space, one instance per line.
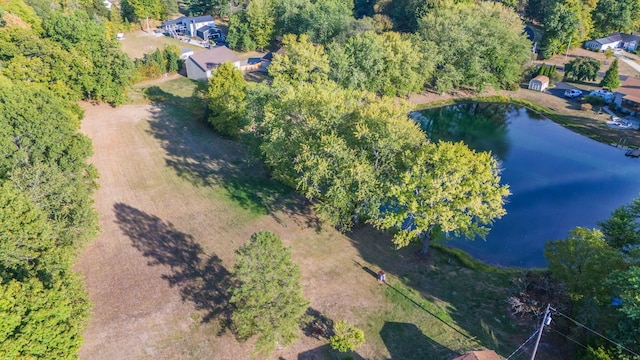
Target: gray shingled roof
210,59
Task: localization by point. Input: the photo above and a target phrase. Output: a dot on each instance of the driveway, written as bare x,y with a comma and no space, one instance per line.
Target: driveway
559,89
627,60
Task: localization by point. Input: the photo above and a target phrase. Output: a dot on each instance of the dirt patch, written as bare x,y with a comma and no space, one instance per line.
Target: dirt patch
157,273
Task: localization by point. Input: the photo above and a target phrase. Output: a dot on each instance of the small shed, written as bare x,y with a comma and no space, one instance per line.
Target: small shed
539,83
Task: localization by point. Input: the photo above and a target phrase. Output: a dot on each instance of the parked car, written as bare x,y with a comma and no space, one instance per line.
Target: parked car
606,95
572,93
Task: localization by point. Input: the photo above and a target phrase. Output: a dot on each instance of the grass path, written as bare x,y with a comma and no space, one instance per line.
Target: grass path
176,201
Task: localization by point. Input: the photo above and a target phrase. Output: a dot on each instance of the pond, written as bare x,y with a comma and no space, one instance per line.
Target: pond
558,179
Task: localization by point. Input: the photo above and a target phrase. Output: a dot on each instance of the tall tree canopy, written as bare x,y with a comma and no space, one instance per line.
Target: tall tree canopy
302,61
267,298
484,45
615,15
388,64
226,99
582,68
567,23
447,188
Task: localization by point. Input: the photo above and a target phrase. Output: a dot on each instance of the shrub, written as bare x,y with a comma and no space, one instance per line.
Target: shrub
347,337
593,100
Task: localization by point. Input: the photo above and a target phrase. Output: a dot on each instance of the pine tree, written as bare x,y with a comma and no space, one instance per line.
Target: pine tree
267,295
611,78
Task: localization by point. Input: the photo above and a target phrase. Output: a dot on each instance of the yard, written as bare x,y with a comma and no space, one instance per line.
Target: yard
176,201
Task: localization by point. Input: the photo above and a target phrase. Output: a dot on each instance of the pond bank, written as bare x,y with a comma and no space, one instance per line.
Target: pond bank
590,123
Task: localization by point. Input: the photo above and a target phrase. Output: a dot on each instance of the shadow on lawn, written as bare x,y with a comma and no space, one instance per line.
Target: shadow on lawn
446,297
204,158
393,333
201,278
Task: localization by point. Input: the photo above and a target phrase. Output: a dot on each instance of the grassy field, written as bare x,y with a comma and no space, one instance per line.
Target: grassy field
176,201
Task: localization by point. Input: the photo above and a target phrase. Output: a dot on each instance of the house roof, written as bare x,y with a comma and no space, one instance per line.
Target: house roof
615,37
206,28
200,19
543,79
269,56
480,355
213,58
187,20
631,89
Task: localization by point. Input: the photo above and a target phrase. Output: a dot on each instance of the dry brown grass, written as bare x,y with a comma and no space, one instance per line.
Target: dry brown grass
156,273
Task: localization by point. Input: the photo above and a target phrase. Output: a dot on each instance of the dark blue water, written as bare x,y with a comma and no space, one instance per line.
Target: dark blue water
558,179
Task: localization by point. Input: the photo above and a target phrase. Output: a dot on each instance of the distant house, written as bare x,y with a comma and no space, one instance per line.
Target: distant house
200,65
479,355
539,83
188,26
268,58
615,40
627,97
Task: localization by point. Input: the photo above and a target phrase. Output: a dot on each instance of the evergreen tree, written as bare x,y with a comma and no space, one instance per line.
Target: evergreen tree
267,297
611,78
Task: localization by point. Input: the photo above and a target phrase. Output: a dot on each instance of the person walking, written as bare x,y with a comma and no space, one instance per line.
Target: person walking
382,277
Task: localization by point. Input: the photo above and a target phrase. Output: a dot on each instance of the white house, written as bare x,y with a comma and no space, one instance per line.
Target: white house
539,83
188,26
200,65
615,40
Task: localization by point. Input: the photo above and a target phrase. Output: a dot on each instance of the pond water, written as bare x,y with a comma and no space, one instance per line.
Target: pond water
558,179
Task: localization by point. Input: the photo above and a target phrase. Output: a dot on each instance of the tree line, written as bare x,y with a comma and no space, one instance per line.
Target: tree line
484,45
356,155
600,269
48,60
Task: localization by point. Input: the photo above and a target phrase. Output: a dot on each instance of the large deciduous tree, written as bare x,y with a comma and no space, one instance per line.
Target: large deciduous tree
566,22
302,61
582,262
615,15
446,188
484,45
582,68
388,64
226,100
138,10
267,295
622,229
345,146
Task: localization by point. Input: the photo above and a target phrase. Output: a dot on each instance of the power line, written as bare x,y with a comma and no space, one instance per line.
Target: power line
595,332
523,344
568,338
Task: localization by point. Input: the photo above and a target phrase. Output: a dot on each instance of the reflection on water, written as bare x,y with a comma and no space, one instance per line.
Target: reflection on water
558,179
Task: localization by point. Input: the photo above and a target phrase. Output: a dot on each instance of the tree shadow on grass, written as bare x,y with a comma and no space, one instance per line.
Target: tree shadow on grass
206,159
201,278
406,341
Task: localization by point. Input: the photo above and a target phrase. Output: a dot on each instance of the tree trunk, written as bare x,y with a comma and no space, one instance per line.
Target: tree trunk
426,240
148,30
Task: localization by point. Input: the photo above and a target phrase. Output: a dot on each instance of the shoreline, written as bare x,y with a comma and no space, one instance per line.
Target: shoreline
568,114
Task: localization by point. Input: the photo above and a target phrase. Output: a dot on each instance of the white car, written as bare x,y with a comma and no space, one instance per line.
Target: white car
572,93
606,95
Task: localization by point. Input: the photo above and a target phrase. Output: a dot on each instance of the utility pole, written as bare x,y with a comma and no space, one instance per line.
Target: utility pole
546,320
